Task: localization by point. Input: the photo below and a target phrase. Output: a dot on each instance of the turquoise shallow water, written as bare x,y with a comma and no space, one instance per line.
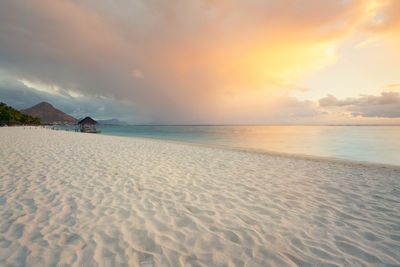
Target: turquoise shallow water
376,144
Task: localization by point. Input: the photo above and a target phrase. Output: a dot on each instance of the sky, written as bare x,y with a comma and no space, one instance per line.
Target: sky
205,61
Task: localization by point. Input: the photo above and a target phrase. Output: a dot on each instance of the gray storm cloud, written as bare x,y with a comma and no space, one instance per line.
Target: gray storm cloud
19,96
386,105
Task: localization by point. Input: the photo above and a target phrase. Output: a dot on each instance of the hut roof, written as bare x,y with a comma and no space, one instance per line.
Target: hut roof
87,120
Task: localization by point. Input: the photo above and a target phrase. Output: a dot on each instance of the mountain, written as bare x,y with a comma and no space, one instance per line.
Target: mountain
49,115
112,122
10,116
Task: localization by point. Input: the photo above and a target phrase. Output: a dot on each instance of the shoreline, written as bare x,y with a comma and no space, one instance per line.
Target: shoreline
347,162
314,158
299,156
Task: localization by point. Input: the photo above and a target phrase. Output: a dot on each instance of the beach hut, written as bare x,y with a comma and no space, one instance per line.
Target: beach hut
88,125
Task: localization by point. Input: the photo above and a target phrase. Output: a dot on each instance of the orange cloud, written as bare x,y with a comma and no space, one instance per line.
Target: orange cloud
392,87
137,73
203,56
385,23
387,18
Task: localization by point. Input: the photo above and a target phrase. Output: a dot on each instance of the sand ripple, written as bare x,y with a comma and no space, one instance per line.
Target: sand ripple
88,200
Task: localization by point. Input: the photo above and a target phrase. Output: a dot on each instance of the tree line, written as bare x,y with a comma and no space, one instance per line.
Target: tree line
10,115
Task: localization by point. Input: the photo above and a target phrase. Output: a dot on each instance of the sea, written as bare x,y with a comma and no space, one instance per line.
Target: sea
374,144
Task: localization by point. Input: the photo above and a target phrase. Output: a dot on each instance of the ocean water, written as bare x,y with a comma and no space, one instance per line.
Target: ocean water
376,144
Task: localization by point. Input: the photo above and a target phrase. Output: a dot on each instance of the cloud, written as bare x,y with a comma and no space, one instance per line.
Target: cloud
20,96
137,73
392,87
181,61
330,101
280,108
386,105
387,20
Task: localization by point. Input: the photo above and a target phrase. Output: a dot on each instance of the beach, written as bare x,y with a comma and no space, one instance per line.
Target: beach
75,199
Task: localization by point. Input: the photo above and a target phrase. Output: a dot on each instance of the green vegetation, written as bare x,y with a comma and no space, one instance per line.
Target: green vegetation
10,115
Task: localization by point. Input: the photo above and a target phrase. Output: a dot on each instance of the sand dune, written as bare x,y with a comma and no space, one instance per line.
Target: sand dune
91,200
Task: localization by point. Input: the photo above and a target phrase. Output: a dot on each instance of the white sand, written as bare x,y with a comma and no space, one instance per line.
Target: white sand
86,200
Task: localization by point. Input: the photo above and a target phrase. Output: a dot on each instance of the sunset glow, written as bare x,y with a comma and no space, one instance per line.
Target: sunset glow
206,61
200,132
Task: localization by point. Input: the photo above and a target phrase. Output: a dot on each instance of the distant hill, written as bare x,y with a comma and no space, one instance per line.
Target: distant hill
48,114
112,122
10,116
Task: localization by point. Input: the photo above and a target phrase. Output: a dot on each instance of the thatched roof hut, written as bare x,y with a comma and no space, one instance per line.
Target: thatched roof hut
87,125
87,121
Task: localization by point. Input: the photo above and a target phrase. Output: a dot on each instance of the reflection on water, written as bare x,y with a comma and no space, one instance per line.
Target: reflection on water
380,144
